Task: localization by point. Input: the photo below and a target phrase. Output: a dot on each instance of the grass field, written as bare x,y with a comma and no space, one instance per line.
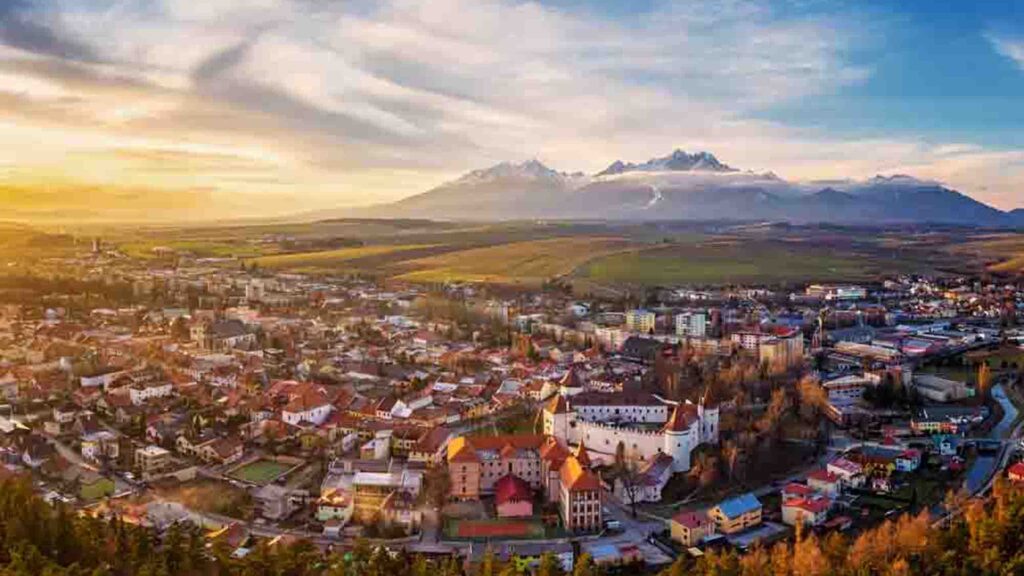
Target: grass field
201,248
518,263
260,472
329,259
1002,252
725,262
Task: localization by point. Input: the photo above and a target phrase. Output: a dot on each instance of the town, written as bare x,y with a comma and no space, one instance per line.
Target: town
467,420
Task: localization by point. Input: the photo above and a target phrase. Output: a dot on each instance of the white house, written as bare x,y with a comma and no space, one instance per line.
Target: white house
141,392
309,405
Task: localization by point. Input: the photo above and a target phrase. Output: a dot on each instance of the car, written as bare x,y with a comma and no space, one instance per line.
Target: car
612,525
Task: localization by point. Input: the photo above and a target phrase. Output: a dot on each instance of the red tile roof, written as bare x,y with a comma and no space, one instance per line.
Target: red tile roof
511,488
692,520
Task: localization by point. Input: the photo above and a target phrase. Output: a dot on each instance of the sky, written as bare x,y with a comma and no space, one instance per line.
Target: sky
267,106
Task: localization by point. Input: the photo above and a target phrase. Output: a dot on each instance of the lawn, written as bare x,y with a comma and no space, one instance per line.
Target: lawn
724,261
260,472
516,263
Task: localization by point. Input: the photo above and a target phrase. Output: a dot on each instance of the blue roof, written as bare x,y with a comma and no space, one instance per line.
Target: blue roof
739,505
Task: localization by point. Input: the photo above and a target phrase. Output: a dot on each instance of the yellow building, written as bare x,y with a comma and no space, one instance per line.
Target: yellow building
737,514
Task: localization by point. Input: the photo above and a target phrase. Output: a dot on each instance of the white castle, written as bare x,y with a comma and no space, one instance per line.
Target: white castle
645,424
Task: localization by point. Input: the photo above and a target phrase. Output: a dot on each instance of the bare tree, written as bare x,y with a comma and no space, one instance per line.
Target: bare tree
628,474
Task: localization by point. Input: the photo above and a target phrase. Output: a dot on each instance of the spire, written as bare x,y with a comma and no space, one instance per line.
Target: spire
581,454
680,420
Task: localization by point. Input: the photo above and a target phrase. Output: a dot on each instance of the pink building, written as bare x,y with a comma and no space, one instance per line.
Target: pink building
513,497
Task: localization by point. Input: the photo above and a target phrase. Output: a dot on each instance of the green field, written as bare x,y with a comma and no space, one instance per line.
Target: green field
329,259
719,262
518,263
200,248
260,472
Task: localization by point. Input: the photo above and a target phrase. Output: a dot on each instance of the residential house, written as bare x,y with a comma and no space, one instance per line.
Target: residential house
851,473
811,511
1016,472
737,514
691,528
825,482
152,460
221,450
335,504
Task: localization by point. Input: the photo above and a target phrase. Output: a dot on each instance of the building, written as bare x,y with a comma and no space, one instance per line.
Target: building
387,498
691,528
152,460
142,391
476,463
513,497
939,389
851,473
825,482
1016,472
812,511
830,293
737,514
580,498
306,404
645,426
692,324
640,321
848,390
334,504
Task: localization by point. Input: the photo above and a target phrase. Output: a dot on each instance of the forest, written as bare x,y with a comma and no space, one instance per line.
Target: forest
983,538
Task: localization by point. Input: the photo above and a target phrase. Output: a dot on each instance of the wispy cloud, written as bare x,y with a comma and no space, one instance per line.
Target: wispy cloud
363,101
1010,47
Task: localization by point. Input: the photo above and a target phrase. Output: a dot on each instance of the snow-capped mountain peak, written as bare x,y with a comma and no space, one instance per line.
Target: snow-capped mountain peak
677,161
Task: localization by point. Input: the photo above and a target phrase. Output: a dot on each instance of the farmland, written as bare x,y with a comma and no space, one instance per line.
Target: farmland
518,263
328,260
730,261
595,257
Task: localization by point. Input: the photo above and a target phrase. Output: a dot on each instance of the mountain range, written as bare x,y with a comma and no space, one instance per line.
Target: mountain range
682,186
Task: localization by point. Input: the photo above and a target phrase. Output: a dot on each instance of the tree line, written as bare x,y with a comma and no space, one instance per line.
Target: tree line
984,538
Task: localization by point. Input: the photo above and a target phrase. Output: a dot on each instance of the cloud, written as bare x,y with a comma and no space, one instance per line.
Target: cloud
1012,48
363,101
21,27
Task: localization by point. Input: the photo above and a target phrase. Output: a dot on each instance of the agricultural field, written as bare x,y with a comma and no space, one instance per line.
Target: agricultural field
596,257
147,250
1003,253
518,263
730,261
330,260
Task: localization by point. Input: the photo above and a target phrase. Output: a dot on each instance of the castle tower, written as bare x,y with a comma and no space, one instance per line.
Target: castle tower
559,419
681,435
708,419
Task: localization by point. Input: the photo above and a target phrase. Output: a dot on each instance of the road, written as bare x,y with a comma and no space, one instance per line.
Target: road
985,467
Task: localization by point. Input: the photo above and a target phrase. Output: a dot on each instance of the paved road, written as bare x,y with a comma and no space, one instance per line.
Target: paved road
985,466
